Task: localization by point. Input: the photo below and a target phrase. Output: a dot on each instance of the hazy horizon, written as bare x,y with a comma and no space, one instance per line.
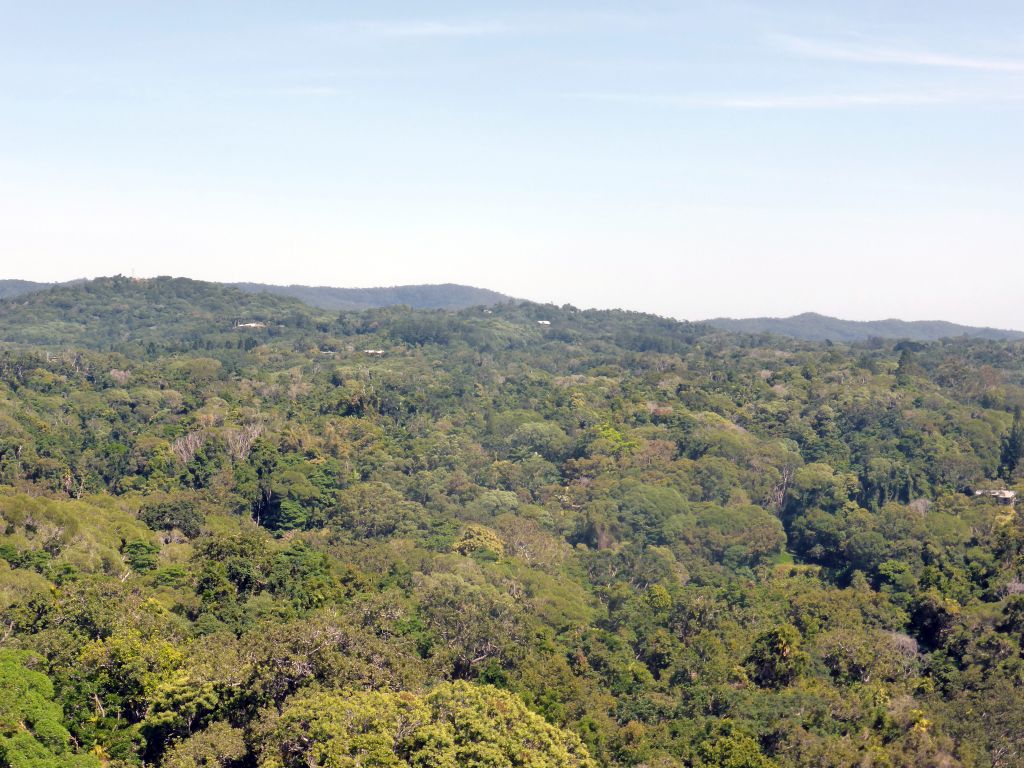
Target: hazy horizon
698,160
554,302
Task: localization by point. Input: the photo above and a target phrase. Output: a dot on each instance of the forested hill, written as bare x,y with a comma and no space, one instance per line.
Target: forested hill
10,288
127,313
814,327
808,326
134,315
444,296
239,531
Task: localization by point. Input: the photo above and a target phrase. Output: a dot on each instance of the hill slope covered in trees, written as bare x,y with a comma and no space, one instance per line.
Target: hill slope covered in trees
445,296
811,326
11,288
526,535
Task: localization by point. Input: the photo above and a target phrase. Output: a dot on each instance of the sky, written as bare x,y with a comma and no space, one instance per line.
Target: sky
859,158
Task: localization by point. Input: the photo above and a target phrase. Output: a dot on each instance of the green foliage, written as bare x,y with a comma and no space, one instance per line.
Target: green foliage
1012,454
133,314
219,746
32,732
775,660
170,514
676,545
479,540
726,747
447,296
456,725
814,327
141,555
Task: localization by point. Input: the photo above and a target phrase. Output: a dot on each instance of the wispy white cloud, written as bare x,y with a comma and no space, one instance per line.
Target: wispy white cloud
767,102
309,90
838,100
424,28
874,54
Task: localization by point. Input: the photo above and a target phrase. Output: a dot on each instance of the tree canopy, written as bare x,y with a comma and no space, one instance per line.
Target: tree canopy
230,536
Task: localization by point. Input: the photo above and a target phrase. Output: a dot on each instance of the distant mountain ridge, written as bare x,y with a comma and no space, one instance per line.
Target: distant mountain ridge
442,296
11,288
811,326
174,315
111,312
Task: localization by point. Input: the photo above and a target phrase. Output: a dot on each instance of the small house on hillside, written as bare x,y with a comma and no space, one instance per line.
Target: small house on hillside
1003,496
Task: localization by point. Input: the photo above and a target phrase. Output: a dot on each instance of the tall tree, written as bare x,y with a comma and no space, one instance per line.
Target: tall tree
1013,448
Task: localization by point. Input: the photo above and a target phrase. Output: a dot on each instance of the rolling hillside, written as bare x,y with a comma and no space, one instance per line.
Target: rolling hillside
811,326
231,537
443,296
11,288
120,312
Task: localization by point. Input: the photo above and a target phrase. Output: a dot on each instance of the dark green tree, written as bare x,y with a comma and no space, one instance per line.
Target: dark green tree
32,731
1013,448
775,660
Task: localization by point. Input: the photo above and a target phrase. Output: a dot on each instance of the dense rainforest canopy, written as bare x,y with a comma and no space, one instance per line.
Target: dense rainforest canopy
443,296
521,535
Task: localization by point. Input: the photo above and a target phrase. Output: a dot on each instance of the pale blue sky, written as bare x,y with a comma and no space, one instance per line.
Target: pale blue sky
860,158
